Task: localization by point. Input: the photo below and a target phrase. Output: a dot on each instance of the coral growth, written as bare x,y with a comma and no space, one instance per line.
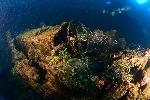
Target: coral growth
64,61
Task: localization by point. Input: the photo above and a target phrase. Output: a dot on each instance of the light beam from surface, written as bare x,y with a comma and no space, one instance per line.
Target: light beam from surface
141,1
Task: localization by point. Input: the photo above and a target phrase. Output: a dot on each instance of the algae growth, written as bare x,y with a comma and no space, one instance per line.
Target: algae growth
69,61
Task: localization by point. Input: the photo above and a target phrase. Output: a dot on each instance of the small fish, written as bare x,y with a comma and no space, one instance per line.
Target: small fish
108,2
122,9
104,11
126,8
118,10
113,13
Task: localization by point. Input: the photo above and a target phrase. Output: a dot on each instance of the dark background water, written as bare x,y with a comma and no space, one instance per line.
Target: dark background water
19,15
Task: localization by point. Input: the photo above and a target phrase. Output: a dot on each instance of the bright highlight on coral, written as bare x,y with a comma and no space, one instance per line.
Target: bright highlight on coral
142,1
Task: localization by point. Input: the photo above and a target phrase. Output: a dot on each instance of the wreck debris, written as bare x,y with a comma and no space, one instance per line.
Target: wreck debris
66,62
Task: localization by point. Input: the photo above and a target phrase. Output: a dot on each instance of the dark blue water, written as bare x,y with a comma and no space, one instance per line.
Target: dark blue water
19,15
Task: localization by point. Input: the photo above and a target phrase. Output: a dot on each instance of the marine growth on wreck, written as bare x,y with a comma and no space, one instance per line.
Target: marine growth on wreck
72,62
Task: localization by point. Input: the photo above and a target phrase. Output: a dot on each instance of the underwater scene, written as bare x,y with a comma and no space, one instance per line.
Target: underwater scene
74,49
